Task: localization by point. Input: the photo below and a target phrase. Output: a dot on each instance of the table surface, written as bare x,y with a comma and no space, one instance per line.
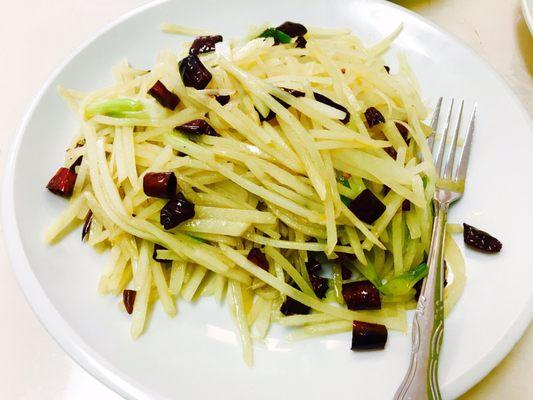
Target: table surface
37,35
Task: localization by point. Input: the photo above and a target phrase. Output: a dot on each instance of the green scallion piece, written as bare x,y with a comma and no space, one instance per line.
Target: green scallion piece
277,35
117,108
402,284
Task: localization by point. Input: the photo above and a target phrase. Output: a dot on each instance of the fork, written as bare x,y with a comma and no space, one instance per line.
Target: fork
421,380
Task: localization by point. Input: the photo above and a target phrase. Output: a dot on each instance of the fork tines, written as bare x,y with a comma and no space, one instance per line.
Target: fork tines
438,144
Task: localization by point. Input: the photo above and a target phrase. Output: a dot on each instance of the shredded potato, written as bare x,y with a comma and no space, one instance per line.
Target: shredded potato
182,30
287,185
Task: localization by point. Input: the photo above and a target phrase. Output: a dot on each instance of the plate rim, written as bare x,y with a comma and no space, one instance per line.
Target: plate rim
88,358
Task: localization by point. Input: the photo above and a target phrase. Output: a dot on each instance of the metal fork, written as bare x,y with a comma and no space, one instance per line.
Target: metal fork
421,381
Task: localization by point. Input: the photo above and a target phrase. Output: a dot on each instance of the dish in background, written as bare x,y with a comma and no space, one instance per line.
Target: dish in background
527,10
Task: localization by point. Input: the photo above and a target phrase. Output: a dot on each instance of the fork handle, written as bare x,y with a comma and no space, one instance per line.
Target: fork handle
421,380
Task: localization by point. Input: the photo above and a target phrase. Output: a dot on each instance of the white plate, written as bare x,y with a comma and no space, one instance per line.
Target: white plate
527,10
196,355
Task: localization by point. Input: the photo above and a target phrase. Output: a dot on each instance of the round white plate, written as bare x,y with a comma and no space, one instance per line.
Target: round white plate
527,10
197,355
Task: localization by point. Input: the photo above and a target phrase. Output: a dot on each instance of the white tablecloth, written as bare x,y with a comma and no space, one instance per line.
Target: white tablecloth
37,35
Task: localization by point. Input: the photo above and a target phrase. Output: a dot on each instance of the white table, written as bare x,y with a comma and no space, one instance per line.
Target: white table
37,35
